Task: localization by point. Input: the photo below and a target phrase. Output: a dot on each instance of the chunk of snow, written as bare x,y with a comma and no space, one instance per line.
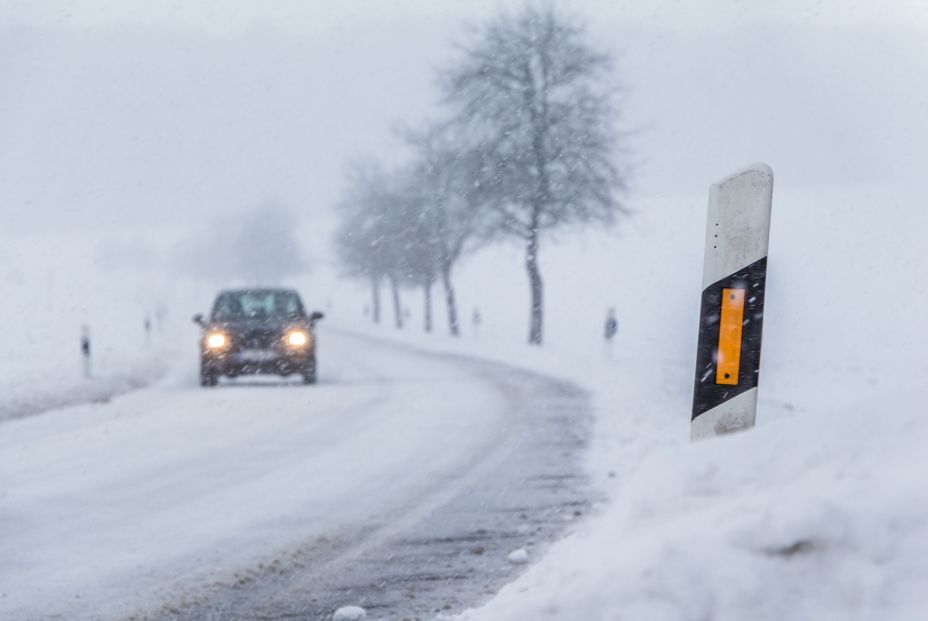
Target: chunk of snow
518,557
349,613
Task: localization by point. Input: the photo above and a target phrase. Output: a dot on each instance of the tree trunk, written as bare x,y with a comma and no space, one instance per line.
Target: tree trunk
427,291
397,307
536,325
375,298
449,300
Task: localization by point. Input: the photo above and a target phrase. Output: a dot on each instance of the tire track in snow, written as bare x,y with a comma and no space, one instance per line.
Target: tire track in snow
449,550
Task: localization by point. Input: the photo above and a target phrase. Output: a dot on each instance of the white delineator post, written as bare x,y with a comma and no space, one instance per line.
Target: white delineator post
732,310
85,351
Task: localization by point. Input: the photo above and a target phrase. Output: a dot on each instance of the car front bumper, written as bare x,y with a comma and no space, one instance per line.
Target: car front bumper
271,362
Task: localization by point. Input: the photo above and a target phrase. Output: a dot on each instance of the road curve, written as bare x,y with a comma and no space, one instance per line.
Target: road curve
400,483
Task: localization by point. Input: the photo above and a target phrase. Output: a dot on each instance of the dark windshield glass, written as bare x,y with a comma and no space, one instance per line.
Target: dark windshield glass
257,305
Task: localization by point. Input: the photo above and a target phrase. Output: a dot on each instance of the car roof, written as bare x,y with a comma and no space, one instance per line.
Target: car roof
260,290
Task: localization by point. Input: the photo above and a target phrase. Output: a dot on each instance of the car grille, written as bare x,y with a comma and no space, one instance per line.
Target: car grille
259,339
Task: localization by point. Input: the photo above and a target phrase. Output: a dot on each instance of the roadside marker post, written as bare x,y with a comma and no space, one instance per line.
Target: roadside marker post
85,350
732,308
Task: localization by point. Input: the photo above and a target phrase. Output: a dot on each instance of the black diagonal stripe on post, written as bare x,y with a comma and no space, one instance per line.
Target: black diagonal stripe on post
707,394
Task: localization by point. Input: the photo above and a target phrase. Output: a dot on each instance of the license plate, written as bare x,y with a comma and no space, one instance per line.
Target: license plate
256,355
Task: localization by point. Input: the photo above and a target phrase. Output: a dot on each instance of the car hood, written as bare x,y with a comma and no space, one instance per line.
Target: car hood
259,325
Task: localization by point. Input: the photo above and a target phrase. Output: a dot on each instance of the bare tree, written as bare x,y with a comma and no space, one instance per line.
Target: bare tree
354,241
540,105
446,176
385,234
413,237
362,236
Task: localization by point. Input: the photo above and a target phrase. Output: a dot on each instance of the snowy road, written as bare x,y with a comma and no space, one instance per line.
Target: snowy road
400,483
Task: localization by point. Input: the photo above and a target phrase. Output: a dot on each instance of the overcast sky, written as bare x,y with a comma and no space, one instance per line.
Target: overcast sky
310,16
119,113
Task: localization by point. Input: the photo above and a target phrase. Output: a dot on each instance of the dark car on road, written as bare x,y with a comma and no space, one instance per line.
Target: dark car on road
253,331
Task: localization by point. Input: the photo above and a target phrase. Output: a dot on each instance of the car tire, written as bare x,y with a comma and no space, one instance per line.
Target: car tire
309,373
207,377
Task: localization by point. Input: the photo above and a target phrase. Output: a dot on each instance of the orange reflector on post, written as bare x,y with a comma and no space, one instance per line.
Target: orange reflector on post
728,362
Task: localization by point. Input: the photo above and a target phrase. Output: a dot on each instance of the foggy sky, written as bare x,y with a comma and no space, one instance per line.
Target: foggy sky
120,114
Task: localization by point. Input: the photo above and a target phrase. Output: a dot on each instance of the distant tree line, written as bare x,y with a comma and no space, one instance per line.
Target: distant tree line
526,143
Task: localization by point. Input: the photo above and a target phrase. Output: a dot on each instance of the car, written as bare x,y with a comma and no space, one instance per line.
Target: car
251,331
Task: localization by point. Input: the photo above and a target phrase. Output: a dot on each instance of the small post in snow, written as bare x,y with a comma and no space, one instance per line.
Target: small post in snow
732,309
85,350
610,329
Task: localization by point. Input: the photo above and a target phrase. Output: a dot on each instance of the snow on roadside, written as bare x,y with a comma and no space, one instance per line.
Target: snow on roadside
518,557
55,286
29,389
349,613
819,516
819,513
813,515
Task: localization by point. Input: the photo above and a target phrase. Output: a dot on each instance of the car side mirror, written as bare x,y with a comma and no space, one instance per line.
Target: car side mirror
315,316
198,319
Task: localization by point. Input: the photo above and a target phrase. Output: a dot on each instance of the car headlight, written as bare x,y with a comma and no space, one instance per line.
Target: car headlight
297,338
216,340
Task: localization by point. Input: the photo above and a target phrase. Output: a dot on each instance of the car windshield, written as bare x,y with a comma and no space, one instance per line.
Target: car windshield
232,305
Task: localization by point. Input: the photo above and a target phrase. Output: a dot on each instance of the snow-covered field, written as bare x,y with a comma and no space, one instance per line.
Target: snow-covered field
55,286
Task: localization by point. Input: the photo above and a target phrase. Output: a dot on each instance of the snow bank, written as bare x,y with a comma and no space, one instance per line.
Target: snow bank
819,513
814,516
27,389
